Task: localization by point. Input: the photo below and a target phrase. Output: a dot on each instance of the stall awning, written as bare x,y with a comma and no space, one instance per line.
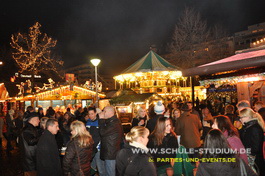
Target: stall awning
235,62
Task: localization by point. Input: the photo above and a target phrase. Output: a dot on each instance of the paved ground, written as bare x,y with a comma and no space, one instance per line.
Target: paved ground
10,162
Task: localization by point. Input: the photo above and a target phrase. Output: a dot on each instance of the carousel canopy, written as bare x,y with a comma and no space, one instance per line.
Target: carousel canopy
150,62
151,67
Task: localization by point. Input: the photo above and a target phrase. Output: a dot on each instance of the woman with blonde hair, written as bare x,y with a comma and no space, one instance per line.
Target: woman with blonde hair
175,115
133,159
252,135
79,151
141,118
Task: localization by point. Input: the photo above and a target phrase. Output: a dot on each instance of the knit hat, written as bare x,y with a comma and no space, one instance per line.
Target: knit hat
159,108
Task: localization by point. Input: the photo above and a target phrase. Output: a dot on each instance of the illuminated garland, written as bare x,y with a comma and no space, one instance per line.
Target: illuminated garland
148,79
233,80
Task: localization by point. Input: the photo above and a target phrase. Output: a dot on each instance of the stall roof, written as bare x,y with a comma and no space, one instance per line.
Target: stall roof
235,62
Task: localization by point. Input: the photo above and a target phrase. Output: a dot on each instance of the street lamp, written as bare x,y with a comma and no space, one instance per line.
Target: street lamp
1,63
95,62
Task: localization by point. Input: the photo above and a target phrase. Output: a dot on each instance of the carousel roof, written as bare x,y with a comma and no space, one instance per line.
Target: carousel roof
150,62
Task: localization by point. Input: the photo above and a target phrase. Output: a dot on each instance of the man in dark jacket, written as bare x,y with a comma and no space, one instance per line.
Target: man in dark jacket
48,160
93,128
111,138
28,144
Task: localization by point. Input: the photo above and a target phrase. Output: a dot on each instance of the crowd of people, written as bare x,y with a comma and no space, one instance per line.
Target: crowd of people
91,141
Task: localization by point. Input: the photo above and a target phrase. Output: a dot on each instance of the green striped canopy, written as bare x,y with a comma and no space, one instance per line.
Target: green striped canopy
150,62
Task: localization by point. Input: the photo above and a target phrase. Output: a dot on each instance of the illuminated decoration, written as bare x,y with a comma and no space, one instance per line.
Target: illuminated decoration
3,92
258,43
63,93
233,80
32,51
150,73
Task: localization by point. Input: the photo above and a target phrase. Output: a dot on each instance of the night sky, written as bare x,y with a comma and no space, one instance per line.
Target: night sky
117,31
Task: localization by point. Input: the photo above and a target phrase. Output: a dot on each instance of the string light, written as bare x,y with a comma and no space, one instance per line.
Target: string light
233,80
32,51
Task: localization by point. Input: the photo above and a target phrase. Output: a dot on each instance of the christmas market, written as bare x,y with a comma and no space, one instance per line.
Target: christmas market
132,88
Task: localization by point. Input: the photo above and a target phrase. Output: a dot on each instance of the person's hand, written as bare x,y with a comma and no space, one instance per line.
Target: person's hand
141,122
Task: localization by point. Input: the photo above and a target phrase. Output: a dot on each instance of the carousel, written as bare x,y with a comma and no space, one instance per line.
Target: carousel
153,74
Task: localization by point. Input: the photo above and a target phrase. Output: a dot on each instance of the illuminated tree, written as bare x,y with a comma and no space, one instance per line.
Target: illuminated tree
32,51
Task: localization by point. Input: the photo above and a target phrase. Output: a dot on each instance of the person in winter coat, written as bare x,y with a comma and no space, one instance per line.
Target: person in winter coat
188,127
48,160
133,159
40,112
163,137
224,124
78,154
141,118
64,124
159,110
111,133
252,136
175,115
93,128
28,144
216,140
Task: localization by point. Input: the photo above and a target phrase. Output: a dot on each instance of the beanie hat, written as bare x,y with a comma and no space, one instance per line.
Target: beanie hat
159,108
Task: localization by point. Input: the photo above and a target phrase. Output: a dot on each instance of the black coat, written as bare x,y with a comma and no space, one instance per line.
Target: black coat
136,120
70,160
48,160
169,142
221,169
28,144
252,137
111,133
152,123
130,164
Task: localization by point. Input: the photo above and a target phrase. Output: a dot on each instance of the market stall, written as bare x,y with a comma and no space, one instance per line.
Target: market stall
61,96
128,103
239,77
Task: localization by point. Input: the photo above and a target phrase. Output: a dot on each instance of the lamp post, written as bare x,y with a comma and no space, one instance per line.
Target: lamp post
95,62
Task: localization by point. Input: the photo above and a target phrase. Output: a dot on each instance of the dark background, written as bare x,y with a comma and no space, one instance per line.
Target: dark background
117,31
